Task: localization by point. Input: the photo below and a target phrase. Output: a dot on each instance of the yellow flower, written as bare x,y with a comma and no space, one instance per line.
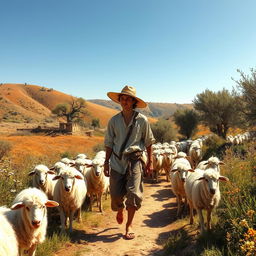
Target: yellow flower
244,223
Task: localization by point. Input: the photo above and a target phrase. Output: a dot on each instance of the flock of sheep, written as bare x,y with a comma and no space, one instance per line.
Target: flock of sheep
68,182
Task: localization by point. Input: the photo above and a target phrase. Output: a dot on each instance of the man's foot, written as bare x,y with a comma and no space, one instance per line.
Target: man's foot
129,234
119,217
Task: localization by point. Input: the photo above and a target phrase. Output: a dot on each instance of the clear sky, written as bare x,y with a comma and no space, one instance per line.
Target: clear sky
170,50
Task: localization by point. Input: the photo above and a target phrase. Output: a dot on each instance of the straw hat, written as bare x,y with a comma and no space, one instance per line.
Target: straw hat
130,91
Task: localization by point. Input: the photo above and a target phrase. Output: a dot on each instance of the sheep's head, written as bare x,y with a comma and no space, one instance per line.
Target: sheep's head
33,202
68,177
41,171
211,177
182,170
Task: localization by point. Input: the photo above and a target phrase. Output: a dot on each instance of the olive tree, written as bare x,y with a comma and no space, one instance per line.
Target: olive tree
187,121
163,131
218,110
247,87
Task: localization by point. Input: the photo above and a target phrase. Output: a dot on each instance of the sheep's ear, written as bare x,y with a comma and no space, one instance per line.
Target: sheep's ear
88,165
51,203
221,163
201,178
174,170
31,173
17,206
206,163
51,172
191,170
223,178
78,177
56,177
72,165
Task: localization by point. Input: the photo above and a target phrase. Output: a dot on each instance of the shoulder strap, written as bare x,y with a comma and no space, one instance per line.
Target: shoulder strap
127,136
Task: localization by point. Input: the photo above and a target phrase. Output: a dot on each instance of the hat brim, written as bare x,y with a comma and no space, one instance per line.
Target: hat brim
115,97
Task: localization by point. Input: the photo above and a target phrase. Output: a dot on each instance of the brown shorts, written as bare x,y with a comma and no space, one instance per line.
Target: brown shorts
129,186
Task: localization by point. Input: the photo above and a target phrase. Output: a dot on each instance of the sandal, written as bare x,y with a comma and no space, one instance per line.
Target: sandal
129,235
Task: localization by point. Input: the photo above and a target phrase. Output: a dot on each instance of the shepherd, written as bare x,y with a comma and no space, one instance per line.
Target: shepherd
128,135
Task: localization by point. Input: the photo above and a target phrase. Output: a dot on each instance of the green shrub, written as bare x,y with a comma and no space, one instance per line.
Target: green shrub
5,148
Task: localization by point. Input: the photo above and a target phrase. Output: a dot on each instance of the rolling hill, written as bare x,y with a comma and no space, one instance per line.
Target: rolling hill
23,103
154,110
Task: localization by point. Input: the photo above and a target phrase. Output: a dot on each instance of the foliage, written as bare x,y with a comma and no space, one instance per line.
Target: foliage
5,147
95,123
74,110
247,86
163,131
187,120
218,110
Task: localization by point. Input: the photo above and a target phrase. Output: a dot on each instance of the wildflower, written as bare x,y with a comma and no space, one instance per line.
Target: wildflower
244,223
13,190
250,213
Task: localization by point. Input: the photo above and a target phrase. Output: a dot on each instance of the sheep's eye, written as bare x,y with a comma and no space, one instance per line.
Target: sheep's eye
27,208
206,180
62,178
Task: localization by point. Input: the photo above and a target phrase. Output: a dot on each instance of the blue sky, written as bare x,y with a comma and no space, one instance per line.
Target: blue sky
170,50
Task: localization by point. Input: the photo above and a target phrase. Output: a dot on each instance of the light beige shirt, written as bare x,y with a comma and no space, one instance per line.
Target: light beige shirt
140,138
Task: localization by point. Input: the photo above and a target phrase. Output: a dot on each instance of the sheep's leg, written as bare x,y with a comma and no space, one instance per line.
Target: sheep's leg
71,216
32,250
191,213
90,197
179,200
100,202
62,219
79,216
209,217
201,219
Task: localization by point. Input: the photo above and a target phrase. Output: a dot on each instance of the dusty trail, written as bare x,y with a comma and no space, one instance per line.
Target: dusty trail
152,225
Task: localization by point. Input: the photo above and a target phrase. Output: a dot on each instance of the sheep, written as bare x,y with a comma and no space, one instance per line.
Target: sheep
195,153
211,162
202,192
97,182
58,166
70,192
168,159
83,165
28,216
8,240
42,179
180,170
81,156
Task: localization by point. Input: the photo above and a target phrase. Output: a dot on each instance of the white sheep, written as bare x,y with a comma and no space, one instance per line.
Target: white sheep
70,192
202,191
168,158
8,240
157,158
97,182
42,179
83,165
180,170
58,166
211,162
195,153
28,216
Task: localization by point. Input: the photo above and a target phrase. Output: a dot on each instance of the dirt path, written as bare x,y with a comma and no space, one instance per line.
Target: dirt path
152,224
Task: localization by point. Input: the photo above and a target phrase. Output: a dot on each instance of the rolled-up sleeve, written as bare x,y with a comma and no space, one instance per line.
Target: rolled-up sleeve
109,136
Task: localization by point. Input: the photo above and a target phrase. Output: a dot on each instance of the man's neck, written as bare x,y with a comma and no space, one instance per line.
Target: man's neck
127,113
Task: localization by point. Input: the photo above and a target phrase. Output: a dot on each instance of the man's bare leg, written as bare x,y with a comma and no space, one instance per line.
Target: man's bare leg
120,216
129,234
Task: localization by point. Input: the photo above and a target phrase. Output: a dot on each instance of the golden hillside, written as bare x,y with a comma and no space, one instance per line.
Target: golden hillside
33,104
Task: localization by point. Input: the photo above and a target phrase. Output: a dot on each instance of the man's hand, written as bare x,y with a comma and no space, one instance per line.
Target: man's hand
106,169
149,168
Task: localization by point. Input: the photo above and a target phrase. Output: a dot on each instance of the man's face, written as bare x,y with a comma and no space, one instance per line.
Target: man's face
127,102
